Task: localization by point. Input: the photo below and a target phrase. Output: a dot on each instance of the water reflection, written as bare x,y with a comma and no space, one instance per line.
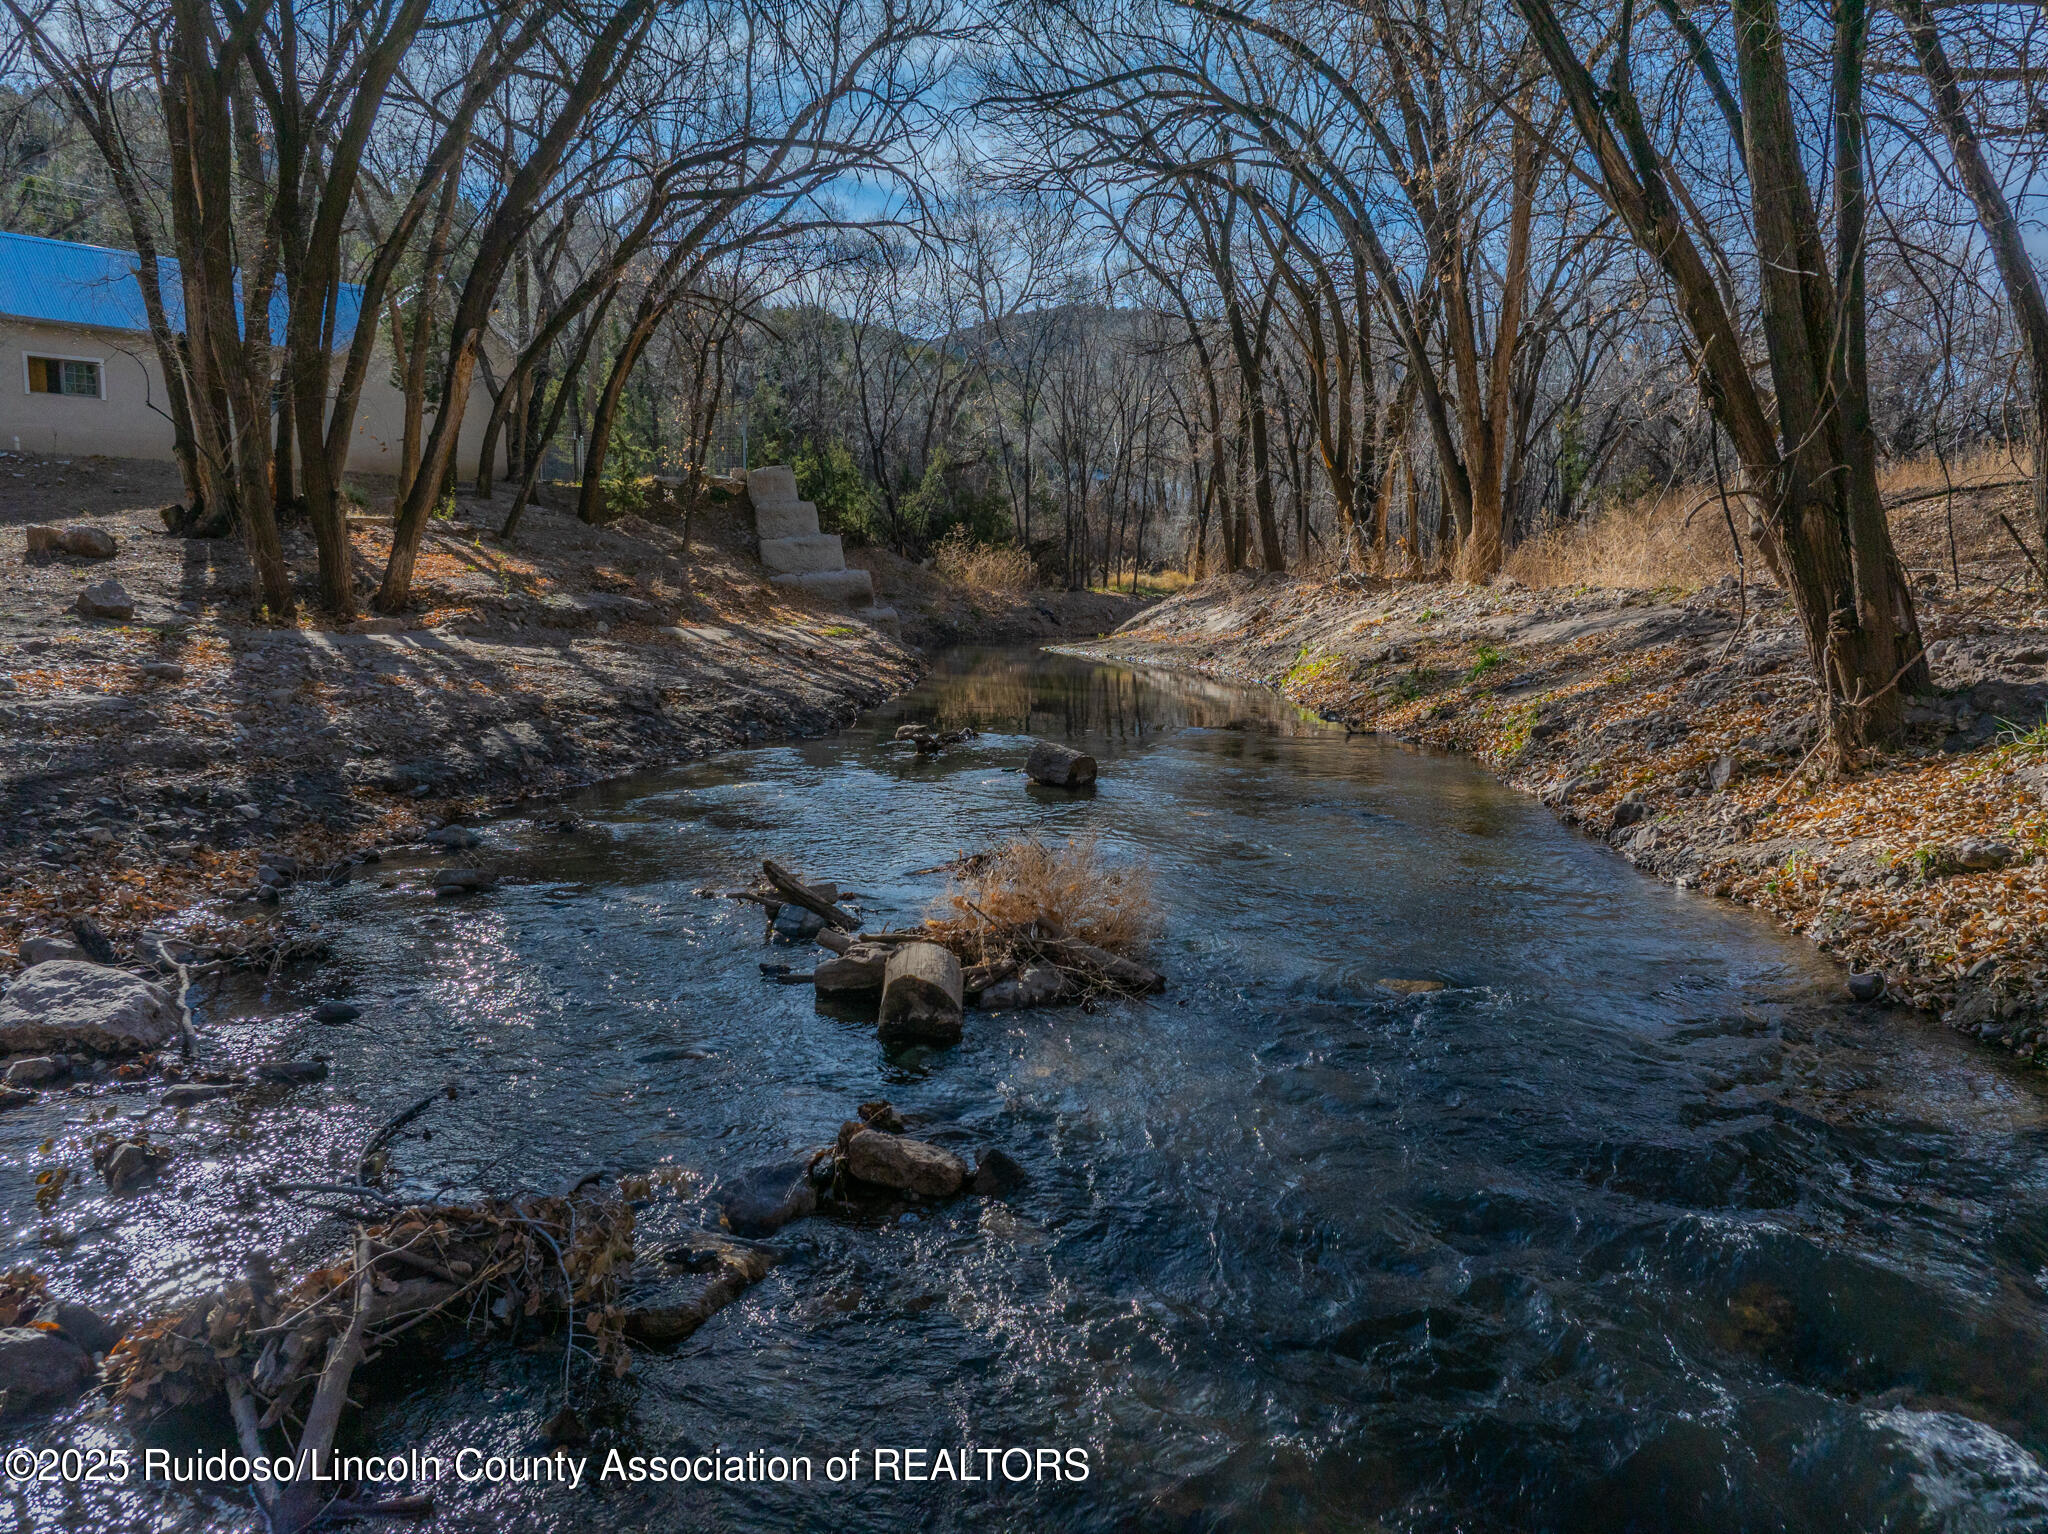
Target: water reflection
1628,1228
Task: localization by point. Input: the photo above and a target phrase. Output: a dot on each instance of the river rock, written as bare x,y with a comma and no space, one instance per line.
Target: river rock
859,971
760,1202
1411,987
1059,766
797,924
36,1070
453,837
81,540
1982,854
1036,985
105,599
900,1163
15,1097
38,1366
66,1004
130,1164
451,882
185,1095
336,1012
1867,986
80,1324
997,1172
41,950
881,1114
291,1073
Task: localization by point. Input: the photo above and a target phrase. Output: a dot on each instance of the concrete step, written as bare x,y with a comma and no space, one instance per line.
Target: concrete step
789,519
884,618
856,588
803,556
771,485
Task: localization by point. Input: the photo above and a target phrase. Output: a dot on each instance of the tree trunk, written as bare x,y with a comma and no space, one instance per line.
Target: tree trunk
2001,229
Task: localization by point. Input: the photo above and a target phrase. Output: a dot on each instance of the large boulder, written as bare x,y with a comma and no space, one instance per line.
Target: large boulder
902,1164
38,1366
69,1004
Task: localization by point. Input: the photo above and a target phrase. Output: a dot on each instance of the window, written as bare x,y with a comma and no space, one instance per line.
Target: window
65,375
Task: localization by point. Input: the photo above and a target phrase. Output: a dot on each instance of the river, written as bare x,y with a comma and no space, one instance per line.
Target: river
1633,1226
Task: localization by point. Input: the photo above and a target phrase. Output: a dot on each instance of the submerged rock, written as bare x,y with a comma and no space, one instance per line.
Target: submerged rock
762,1201
185,1095
66,1004
1411,987
130,1164
292,1073
997,1172
336,1012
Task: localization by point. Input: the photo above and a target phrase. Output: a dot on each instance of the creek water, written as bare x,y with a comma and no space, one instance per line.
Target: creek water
1634,1226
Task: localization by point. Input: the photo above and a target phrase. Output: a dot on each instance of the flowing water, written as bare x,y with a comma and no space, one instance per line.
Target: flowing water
1632,1227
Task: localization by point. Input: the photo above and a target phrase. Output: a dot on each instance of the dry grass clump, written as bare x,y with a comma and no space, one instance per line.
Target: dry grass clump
992,569
1067,889
1679,537
1987,465
1668,539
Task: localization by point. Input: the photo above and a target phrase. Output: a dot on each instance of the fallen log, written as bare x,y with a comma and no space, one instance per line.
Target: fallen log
921,996
834,939
796,892
1071,953
1058,766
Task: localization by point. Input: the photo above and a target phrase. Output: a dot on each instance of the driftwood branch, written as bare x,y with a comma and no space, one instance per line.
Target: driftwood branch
383,1137
796,892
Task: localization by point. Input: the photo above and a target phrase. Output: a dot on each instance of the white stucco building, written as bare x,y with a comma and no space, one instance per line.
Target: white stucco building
79,376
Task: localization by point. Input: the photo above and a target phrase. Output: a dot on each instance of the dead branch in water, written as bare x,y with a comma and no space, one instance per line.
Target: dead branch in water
495,1268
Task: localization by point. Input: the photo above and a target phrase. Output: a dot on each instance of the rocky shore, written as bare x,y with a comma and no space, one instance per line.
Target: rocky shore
1678,729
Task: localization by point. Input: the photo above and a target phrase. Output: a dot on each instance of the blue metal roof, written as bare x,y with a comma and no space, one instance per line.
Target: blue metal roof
60,282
